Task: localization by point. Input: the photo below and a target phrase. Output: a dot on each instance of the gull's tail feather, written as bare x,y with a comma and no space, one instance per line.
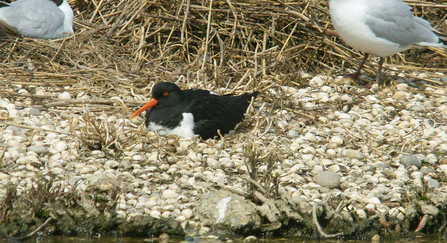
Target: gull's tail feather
442,42
443,39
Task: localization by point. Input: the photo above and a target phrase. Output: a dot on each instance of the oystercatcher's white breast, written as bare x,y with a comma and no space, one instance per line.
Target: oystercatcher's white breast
184,129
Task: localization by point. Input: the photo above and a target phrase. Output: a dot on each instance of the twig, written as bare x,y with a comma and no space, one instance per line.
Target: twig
184,34
84,102
317,224
59,50
30,234
255,183
422,223
34,128
208,28
3,152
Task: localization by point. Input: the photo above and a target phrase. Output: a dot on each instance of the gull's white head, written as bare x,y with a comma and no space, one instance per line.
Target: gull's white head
68,12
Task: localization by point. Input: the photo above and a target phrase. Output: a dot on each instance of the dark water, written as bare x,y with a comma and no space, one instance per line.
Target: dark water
108,239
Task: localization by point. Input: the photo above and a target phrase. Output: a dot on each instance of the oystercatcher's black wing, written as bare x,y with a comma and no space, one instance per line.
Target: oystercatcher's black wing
215,112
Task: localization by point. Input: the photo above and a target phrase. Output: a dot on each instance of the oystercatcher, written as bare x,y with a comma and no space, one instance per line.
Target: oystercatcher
43,19
193,111
381,28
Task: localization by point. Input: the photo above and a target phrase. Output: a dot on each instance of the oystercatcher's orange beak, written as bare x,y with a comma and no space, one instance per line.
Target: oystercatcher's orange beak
153,102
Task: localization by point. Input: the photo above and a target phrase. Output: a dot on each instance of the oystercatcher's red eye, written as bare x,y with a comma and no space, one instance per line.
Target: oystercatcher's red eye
165,93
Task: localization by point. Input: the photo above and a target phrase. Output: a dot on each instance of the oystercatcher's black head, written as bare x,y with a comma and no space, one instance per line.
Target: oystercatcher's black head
163,95
167,94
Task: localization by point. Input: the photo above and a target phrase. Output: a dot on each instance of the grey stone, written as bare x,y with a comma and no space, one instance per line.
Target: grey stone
72,180
16,131
111,164
425,170
383,165
34,112
198,176
212,163
417,108
432,183
292,134
354,154
409,160
328,178
227,211
206,57
38,149
428,209
298,199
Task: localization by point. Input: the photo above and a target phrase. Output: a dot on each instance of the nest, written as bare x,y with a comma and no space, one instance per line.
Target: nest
121,47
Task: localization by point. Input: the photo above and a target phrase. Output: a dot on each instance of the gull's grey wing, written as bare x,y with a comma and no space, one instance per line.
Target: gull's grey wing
34,18
394,21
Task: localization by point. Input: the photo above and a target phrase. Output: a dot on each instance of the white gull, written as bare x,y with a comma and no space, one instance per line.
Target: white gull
381,28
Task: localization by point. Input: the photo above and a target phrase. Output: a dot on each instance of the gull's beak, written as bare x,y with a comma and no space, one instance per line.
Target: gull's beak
153,102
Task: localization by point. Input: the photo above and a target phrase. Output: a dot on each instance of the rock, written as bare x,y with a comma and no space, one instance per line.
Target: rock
409,160
204,230
65,95
401,95
375,238
111,164
105,184
169,194
426,170
34,112
317,81
337,140
166,215
292,134
38,149
361,214
428,208
432,183
227,211
331,152
212,163
155,214
16,131
121,214
3,176
353,154
374,200
250,238
187,213
328,178
431,158
310,137
203,57
417,108
61,146
180,218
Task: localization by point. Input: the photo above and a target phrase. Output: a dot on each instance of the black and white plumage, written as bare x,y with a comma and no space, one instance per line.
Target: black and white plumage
381,28
42,19
194,111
